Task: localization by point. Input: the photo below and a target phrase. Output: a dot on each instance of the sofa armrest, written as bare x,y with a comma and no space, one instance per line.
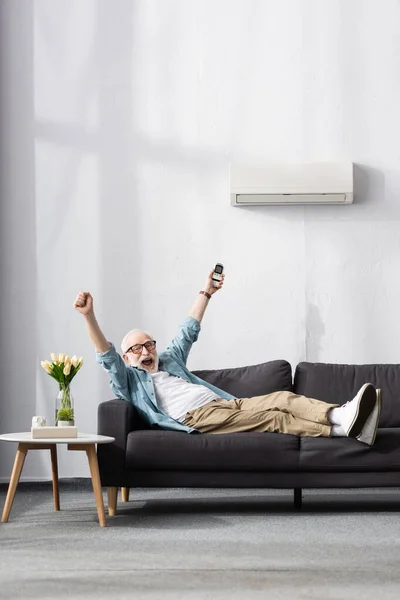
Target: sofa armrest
116,418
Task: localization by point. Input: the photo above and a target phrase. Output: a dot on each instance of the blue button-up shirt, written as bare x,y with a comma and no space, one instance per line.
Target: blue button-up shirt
136,385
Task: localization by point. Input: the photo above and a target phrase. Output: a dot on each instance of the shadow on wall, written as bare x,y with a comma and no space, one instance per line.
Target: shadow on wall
124,153
120,146
372,201
18,283
372,196
315,330
375,198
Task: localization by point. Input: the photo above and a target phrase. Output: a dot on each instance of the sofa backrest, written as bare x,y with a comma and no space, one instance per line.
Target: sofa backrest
336,384
256,380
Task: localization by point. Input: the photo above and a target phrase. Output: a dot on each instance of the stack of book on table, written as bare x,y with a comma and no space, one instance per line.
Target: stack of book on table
54,432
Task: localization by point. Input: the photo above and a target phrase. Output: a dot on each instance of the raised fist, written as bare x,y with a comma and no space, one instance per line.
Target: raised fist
84,303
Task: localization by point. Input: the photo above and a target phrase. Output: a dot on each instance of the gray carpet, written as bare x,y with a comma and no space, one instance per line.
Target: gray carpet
200,543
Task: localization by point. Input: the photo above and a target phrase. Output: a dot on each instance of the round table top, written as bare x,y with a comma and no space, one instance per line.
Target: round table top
83,438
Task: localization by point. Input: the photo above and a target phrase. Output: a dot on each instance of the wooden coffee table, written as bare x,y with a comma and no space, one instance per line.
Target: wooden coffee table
84,441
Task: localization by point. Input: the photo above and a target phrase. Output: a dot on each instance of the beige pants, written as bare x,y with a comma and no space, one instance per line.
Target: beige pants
280,412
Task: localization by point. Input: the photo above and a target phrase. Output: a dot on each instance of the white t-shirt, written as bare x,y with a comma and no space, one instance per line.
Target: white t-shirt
176,397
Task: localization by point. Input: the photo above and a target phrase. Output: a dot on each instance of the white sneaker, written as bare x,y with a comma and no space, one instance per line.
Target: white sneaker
356,412
368,432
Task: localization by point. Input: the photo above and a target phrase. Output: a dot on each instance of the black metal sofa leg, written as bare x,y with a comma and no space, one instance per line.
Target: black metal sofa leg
297,498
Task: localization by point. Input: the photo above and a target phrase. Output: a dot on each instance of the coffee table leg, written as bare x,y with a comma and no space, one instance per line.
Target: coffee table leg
54,473
15,475
94,471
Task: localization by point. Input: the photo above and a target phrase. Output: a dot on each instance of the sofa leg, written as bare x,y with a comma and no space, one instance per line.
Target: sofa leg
125,494
112,493
297,498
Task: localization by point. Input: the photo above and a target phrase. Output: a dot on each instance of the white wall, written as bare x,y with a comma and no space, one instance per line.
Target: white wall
120,121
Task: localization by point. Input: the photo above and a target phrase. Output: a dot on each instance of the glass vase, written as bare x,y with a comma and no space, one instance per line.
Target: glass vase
64,410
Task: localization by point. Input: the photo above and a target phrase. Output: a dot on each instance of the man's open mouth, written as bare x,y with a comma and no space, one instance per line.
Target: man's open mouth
147,362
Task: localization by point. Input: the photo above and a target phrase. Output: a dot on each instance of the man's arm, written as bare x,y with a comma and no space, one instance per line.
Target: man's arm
189,330
84,305
107,356
199,307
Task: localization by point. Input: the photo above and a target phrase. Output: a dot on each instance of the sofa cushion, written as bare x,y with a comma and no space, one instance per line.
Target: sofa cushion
347,454
256,380
337,384
176,451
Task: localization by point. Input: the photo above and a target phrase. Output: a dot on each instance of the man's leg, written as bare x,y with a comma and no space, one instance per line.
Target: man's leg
285,412
229,416
308,409
347,420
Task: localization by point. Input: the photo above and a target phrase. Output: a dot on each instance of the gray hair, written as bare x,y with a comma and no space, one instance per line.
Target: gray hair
125,340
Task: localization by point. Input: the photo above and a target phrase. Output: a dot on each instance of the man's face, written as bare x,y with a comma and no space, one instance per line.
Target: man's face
144,358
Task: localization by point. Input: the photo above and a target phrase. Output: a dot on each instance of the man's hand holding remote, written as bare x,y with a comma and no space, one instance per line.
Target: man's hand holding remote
211,286
199,307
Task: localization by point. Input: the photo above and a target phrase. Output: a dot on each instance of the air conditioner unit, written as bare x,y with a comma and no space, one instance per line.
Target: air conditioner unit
291,183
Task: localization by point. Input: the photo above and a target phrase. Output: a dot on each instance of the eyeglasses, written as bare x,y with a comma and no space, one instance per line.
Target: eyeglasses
138,348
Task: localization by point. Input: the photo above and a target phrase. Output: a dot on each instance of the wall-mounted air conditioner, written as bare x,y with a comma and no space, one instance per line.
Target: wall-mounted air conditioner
291,183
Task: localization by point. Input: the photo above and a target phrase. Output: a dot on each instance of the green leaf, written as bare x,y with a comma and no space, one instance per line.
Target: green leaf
65,414
56,370
58,375
54,376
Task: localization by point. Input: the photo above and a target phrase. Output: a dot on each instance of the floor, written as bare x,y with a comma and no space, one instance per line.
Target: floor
201,543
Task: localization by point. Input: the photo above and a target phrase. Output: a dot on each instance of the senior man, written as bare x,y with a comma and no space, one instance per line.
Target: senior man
167,394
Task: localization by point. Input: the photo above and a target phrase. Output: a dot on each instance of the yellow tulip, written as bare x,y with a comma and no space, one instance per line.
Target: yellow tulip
54,358
74,360
67,369
80,361
61,358
67,360
47,366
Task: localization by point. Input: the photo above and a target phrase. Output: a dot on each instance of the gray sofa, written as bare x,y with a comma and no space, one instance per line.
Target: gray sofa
142,456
